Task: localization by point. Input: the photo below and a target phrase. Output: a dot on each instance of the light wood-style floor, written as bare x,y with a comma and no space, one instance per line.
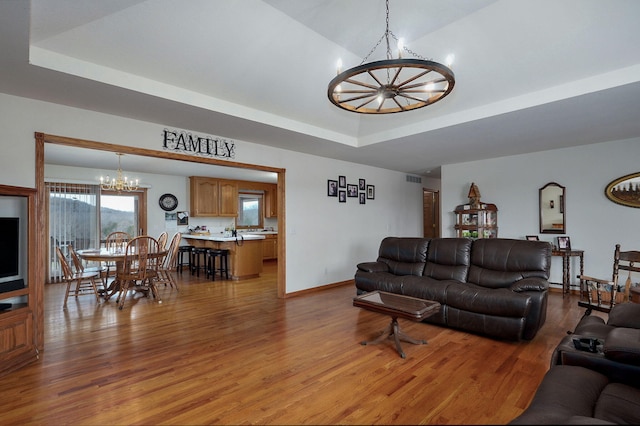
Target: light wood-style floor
228,352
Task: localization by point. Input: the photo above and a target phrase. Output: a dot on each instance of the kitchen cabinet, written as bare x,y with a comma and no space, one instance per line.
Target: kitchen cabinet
271,201
213,197
20,294
481,222
270,247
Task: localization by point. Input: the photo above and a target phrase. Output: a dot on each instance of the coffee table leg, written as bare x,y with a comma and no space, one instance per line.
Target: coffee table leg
385,335
393,329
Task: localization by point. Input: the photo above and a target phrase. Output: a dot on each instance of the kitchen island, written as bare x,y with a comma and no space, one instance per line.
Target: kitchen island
245,252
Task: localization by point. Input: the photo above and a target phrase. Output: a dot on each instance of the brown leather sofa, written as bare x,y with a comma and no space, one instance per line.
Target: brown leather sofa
496,287
598,383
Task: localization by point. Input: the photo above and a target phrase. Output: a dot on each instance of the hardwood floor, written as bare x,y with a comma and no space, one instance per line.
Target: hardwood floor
229,352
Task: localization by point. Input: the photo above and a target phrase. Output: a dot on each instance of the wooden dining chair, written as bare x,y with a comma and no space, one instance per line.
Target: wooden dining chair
115,242
162,240
140,268
81,268
84,283
170,263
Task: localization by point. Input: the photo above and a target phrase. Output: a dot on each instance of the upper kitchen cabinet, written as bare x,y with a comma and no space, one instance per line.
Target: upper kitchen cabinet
271,201
213,197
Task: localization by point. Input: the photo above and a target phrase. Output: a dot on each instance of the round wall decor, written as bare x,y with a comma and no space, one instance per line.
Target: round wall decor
168,202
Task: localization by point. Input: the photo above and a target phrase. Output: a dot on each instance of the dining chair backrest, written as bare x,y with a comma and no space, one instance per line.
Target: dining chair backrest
140,258
117,241
171,259
77,262
162,240
67,272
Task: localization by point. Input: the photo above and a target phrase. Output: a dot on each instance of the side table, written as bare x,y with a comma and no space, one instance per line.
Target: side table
566,255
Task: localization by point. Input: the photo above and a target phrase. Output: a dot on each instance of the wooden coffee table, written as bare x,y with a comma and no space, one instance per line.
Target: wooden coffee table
396,306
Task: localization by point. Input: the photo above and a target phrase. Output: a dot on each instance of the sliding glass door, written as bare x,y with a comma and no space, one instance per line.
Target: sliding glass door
82,216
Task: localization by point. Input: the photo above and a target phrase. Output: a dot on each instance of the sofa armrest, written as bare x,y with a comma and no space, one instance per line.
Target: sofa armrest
625,315
530,284
623,345
373,267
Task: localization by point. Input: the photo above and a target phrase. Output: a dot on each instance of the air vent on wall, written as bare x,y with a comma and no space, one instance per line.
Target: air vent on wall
415,179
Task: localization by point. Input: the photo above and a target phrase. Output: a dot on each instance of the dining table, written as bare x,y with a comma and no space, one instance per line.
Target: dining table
117,257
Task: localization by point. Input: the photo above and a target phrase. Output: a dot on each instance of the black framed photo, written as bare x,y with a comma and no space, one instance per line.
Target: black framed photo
342,181
342,196
362,197
564,243
352,190
532,238
371,192
361,184
183,218
332,188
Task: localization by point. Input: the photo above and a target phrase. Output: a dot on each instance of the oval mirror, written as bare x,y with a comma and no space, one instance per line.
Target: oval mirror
552,209
625,190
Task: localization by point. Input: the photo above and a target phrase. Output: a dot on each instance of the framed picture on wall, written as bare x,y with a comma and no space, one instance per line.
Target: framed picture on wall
332,188
361,184
342,181
183,218
564,243
362,198
352,190
371,192
342,196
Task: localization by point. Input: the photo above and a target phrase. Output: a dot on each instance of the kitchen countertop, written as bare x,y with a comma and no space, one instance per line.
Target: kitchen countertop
220,238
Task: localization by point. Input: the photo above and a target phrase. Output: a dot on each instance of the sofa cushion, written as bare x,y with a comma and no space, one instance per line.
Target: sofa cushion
448,259
427,288
499,262
566,391
593,326
404,256
497,302
623,345
619,404
625,315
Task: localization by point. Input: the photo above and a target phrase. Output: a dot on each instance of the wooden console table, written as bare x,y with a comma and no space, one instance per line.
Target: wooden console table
566,255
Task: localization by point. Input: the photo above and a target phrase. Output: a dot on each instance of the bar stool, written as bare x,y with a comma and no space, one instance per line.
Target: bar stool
199,260
182,250
212,255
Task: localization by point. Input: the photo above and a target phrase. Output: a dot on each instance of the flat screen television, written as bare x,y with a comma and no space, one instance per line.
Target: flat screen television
9,246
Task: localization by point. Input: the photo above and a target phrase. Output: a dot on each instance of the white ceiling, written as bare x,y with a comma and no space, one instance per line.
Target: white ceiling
531,75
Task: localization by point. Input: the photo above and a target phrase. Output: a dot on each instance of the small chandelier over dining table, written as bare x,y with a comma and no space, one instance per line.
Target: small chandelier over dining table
120,182
390,85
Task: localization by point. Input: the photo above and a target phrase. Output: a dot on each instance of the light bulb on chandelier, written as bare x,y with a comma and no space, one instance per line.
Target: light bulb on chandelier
120,182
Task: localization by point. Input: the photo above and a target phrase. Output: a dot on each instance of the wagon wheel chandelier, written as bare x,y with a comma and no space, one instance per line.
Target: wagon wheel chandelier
391,85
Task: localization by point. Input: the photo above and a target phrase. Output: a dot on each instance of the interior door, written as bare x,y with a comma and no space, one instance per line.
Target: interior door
431,213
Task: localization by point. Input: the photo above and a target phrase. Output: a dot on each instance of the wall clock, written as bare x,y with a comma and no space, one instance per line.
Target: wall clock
168,202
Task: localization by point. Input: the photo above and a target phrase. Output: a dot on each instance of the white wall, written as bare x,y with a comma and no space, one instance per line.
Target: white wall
325,239
593,223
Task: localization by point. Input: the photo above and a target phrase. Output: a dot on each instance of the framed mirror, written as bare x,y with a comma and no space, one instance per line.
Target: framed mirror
552,216
625,190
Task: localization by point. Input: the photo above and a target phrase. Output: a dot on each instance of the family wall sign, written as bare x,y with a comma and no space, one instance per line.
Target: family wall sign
206,146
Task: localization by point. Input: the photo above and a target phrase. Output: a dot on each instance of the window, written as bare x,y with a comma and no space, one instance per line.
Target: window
119,212
249,210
